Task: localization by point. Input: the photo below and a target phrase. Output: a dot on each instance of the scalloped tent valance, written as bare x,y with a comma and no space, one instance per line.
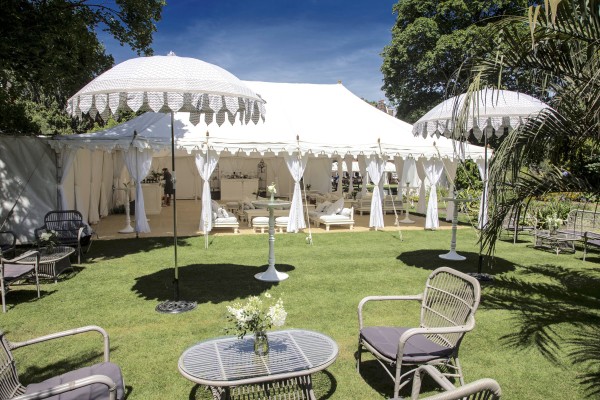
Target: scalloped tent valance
492,112
328,119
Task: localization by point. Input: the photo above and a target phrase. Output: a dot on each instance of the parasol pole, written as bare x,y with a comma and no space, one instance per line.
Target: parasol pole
175,306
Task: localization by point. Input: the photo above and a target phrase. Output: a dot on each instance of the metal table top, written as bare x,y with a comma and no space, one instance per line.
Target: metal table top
229,361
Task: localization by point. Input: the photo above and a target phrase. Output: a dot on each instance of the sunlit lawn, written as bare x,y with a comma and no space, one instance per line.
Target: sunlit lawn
536,333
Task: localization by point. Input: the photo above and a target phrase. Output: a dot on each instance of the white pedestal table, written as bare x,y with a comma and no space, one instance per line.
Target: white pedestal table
271,274
452,255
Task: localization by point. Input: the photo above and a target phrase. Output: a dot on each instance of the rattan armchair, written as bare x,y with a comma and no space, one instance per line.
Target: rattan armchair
98,382
448,306
70,229
12,271
8,243
482,389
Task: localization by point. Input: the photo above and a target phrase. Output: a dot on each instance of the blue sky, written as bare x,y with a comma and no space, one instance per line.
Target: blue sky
306,41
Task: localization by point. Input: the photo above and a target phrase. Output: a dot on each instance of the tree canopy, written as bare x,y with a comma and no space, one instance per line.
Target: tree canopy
49,49
430,41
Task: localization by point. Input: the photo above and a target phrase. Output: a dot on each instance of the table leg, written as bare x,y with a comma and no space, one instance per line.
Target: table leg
271,274
452,254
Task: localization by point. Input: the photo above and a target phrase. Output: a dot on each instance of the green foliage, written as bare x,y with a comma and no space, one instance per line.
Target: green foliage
431,39
50,49
557,150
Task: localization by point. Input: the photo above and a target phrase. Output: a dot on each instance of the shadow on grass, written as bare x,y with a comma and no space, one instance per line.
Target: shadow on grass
556,297
430,260
205,283
107,249
19,294
323,383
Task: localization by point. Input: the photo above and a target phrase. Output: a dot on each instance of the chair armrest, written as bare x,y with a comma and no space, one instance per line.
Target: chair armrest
70,332
69,386
425,331
80,233
22,256
590,235
452,392
417,297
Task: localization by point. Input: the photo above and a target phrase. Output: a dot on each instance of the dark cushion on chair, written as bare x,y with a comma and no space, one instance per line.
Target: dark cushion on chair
96,391
14,271
418,349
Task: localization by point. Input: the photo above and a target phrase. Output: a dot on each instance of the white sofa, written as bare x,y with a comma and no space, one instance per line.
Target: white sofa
223,219
332,214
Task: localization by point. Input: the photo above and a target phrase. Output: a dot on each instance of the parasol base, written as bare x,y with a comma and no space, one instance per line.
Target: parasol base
452,256
175,307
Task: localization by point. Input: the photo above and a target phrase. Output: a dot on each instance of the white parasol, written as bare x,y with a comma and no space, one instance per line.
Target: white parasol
169,84
483,113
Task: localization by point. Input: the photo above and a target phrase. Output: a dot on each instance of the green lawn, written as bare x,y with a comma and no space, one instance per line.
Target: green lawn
536,332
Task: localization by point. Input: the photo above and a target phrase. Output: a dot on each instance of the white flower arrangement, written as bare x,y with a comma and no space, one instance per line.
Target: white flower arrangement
49,239
271,188
255,316
553,221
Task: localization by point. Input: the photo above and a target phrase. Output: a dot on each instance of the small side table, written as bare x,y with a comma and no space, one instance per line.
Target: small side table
271,274
52,262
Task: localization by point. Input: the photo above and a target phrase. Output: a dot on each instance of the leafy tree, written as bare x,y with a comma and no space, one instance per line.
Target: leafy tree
430,41
557,151
49,49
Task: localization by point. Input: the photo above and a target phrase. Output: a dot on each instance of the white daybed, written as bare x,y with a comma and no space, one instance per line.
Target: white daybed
332,214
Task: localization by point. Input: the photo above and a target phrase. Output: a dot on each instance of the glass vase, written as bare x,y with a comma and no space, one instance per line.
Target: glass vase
261,343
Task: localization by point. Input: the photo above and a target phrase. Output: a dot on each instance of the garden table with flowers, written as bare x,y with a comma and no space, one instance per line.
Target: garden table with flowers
53,261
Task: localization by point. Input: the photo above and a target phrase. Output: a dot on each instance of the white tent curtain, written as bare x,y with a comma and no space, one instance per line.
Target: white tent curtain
118,164
450,166
206,162
138,164
408,174
433,169
376,169
421,207
349,159
95,186
67,157
483,211
296,165
82,168
340,172
106,184
362,166
399,165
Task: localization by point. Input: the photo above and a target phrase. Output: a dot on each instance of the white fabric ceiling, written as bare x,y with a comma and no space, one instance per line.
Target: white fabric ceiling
336,123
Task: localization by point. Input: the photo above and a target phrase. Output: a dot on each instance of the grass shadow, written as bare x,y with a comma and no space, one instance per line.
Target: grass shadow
429,259
107,250
203,283
556,297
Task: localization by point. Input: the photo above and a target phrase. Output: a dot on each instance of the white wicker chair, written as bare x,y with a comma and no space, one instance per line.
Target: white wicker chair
99,381
482,389
448,306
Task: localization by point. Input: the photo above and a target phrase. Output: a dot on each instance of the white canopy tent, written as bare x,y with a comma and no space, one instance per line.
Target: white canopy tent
338,125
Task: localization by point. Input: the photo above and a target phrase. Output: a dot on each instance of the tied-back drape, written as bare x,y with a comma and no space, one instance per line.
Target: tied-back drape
376,169
349,159
433,169
483,215
450,166
118,164
362,166
296,165
67,158
206,164
421,207
138,164
340,172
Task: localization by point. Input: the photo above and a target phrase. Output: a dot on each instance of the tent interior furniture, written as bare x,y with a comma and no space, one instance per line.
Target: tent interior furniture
448,306
100,381
12,272
482,389
8,243
70,229
227,222
363,204
391,204
281,223
261,223
344,217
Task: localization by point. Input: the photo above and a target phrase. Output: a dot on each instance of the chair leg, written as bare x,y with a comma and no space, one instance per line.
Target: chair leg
358,355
